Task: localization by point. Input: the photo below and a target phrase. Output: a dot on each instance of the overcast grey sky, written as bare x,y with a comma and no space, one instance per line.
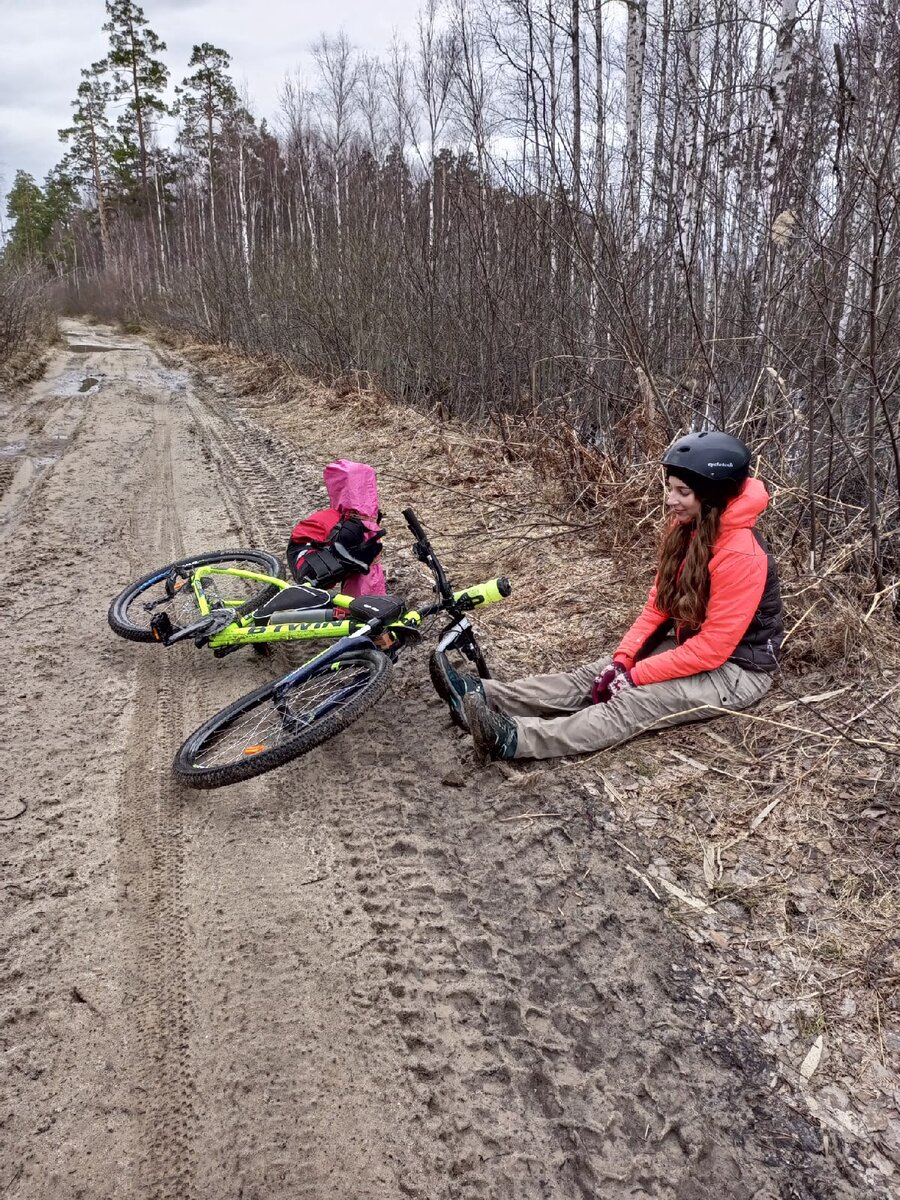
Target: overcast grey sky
45,43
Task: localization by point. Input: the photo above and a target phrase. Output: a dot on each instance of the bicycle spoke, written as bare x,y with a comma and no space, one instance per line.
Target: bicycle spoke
181,608
281,716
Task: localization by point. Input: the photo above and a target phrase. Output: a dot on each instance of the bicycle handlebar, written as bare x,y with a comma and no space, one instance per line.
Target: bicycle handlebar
471,597
484,593
415,527
425,553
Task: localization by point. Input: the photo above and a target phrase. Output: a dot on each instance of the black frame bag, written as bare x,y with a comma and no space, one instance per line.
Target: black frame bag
347,551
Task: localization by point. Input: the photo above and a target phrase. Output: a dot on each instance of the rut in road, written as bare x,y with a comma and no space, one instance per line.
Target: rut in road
151,863
345,978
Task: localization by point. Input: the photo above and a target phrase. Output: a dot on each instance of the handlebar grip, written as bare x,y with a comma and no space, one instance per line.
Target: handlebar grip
485,593
413,522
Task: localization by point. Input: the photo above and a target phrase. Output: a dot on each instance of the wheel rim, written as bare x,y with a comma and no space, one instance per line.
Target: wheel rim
279,716
181,607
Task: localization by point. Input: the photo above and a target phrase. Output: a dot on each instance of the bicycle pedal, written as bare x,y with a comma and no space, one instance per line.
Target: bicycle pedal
162,628
174,584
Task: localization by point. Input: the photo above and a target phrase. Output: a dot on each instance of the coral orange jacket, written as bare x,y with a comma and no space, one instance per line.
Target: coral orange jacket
737,578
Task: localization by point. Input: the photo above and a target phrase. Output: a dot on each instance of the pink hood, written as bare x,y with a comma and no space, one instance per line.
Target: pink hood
742,511
353,485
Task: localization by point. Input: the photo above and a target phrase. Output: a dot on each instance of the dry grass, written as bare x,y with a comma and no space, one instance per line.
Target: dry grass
27,360
27,326
772,834
27,364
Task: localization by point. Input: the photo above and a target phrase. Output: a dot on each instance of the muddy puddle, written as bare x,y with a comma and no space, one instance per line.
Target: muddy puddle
100,347
75,382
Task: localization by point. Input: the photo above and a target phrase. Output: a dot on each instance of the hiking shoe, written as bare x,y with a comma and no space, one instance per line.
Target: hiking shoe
453,687
494,735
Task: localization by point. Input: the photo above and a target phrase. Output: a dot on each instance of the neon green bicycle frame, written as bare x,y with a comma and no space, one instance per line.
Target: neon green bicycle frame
245,630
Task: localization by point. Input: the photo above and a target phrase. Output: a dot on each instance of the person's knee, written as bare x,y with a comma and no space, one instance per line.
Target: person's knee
655,706
749,689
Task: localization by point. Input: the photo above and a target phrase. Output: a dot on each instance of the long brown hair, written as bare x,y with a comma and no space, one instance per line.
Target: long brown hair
683,592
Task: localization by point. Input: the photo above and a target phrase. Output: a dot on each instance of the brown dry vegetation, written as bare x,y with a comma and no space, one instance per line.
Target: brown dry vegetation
552,219
773,834
27,325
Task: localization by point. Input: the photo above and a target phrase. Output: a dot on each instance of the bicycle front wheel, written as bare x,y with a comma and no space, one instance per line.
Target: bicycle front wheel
133,609
281,721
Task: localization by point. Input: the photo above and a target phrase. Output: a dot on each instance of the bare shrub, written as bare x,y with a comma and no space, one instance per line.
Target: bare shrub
27,321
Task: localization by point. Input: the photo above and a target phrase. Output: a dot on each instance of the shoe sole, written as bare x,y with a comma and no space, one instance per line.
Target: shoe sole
441,685
479,751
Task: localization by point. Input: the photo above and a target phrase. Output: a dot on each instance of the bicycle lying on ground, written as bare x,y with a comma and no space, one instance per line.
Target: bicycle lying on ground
232,598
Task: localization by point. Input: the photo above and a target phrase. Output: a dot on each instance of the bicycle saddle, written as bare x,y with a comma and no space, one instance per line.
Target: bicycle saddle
296,596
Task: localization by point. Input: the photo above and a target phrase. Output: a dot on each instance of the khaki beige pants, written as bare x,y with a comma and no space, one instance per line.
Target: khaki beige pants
554,714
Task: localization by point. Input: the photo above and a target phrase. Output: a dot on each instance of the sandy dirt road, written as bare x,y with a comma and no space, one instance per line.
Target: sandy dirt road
348,978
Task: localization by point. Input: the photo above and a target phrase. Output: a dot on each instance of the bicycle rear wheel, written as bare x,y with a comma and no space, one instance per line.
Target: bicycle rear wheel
279,721
133,609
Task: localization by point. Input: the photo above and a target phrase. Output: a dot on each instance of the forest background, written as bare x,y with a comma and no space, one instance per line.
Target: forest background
592,225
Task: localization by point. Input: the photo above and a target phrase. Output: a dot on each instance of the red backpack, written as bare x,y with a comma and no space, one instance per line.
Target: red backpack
325,548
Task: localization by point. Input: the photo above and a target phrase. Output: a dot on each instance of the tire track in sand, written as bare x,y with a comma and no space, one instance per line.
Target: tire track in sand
264,487
247,1030
151,866
551,1041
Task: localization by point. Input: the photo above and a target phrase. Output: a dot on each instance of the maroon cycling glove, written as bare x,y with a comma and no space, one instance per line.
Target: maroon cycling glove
610,682
621,683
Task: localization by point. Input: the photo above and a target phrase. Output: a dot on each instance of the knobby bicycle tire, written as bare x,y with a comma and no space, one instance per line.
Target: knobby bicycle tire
276,714
129,618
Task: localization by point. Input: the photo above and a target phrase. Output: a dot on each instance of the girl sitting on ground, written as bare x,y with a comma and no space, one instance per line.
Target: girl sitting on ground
707,639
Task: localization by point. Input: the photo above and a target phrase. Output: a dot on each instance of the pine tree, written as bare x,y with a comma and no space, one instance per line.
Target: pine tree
139,75
207,101
60,202
91,152
25,204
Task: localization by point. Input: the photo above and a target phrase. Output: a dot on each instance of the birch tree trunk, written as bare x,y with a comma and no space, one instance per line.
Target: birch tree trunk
778,91
634,91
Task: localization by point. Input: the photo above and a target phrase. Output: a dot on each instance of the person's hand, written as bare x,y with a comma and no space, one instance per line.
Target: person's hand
610,682
621,683
600,689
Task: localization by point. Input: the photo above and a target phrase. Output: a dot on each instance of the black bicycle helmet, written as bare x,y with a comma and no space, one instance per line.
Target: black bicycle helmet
711,463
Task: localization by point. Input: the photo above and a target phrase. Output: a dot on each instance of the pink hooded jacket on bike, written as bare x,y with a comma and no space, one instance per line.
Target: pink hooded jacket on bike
353,487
